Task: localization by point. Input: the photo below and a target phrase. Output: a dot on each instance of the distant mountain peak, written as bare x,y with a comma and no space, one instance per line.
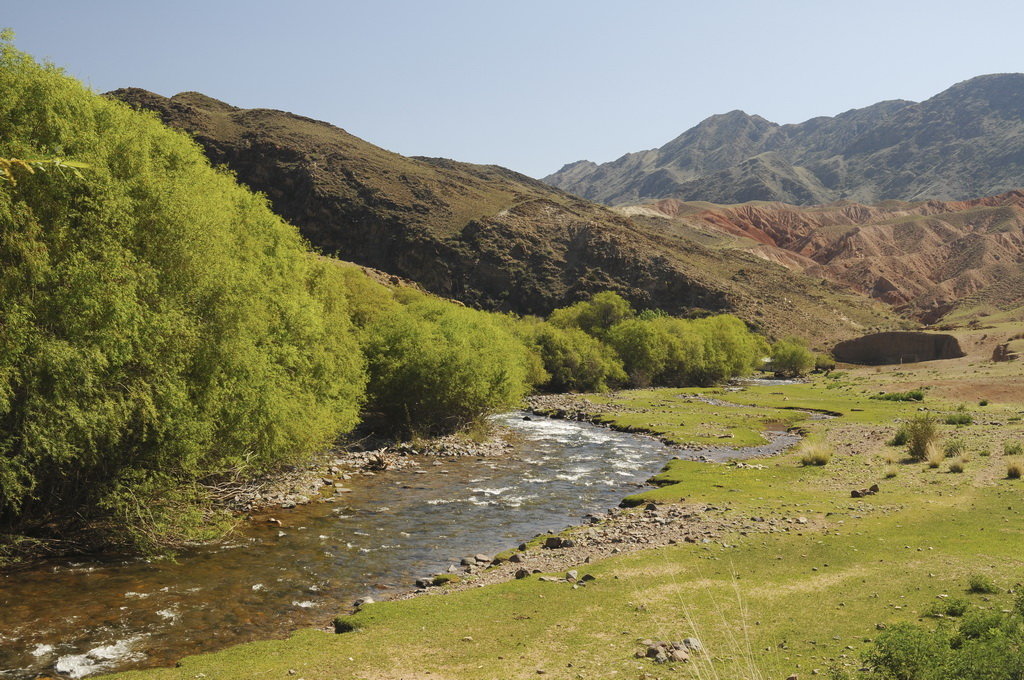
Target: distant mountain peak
965,141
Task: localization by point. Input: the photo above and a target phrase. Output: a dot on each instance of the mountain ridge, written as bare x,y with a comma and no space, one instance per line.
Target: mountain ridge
488,236
963,142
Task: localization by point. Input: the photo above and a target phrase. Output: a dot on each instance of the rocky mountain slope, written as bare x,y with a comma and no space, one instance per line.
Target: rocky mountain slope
964,142
489,236
927,259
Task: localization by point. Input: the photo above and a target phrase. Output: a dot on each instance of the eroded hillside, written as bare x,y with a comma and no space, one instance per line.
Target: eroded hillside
926,259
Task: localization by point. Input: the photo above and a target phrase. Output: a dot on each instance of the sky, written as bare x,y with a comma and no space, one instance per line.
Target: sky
525,84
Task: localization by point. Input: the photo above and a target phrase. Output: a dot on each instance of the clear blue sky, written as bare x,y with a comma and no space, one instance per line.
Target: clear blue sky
526,84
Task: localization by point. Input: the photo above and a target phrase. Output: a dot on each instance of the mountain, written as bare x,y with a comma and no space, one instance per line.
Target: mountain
931,260
965,142
488,236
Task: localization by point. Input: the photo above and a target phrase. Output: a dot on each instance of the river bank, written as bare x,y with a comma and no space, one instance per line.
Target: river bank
318,480
295,567
795,578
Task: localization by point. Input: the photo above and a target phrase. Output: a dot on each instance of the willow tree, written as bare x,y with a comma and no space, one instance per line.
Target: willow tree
159,325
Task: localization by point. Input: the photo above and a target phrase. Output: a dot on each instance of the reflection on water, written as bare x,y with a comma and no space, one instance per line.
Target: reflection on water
75,619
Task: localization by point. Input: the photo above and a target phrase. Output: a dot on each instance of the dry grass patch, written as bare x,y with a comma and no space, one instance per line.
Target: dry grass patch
815,453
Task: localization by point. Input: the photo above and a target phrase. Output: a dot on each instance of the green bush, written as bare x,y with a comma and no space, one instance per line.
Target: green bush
435,367
953,607
730,349
954,447
912,395
984,646
1013,448
824,363
652,348
1014,470
595,316
644,347
961,417
901,437
922,434
791,358
982,584
160,326
815,453
575,361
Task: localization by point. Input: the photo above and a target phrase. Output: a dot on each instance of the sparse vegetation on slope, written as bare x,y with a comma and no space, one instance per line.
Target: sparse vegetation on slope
490,237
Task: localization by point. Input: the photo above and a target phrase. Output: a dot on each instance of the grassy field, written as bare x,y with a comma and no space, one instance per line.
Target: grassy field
802,585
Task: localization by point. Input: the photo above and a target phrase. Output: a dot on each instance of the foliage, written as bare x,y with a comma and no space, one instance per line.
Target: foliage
435,367
824,363
652,347
644,347
595,316
1013,448
901,436
985,645
922,435
961,417
159,324
953,606
1014,470
10,168
979,583
954,447
791,358
910,395
575,361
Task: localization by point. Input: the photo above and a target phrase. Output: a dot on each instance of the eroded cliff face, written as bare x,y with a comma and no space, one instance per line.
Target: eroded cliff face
486,235
898,348
923,258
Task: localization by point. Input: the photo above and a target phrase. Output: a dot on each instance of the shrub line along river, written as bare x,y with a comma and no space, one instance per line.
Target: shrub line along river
79,618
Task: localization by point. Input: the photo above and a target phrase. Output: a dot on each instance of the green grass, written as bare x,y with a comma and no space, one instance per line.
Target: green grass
806,595
788,593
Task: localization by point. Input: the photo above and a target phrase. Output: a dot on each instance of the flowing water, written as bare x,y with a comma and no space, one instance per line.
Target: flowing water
75,619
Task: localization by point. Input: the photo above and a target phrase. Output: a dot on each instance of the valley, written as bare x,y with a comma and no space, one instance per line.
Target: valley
279,402
770,564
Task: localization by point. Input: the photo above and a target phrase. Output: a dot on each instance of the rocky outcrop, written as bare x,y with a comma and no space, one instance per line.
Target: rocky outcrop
897,348
966,141
1002,352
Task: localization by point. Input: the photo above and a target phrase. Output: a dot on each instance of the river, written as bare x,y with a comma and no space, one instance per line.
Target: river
73,619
